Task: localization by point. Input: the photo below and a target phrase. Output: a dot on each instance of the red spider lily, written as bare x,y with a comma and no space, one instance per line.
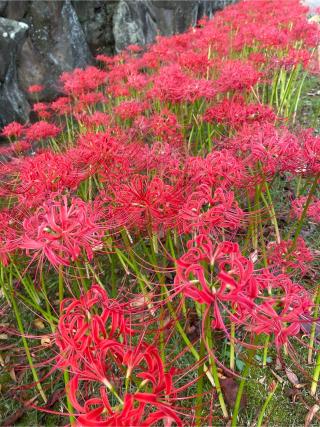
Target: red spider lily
136,408
216,273
102,153
13,129
60,230
79,81
89,99
171,84
42,109
41,130
44,174
205,212
235,113
313,211
283,255
219,169
93,121
130,109
280,312
237,75
267,149
163,127
35,88
311,151
86,322
141,409
145,203
61,105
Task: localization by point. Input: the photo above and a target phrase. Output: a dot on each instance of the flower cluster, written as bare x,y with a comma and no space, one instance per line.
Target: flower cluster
94,338
174,178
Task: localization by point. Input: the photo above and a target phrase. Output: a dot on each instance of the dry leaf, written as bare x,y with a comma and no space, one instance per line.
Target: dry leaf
280,379
38,324
292,377
13,375
3,337
262,380
311,414
45,341
278,364
230,389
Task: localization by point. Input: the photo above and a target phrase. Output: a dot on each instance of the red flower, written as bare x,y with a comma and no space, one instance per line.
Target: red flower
279,312
86,322
141,408
35,88
215,274
204,212
313,211
281,255
145,203
44,174
41,130
235,113
78,81
13,129
61,230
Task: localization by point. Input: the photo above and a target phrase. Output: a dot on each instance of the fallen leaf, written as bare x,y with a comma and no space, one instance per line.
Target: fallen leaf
38,324
230,389
46,341
278,366
3,337
292,377
12,419
13,375
310,415
262,380
280,379
193,327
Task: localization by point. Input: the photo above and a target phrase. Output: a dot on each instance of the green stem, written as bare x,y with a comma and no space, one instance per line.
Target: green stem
314,324
245,373
232,346
265,405
214,370
265,351
272,212
305,211
199,400
24,340
315,377
185,338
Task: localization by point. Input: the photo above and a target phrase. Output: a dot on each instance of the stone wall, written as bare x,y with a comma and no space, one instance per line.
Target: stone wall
41,39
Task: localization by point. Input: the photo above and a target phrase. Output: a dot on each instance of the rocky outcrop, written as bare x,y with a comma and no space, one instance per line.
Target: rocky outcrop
56,43
140,22
96,19
13,102
60,35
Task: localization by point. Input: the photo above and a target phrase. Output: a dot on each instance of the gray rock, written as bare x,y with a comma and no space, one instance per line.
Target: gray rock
96,19
13,102
133,23
138,22
56,44
3,5
17,9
